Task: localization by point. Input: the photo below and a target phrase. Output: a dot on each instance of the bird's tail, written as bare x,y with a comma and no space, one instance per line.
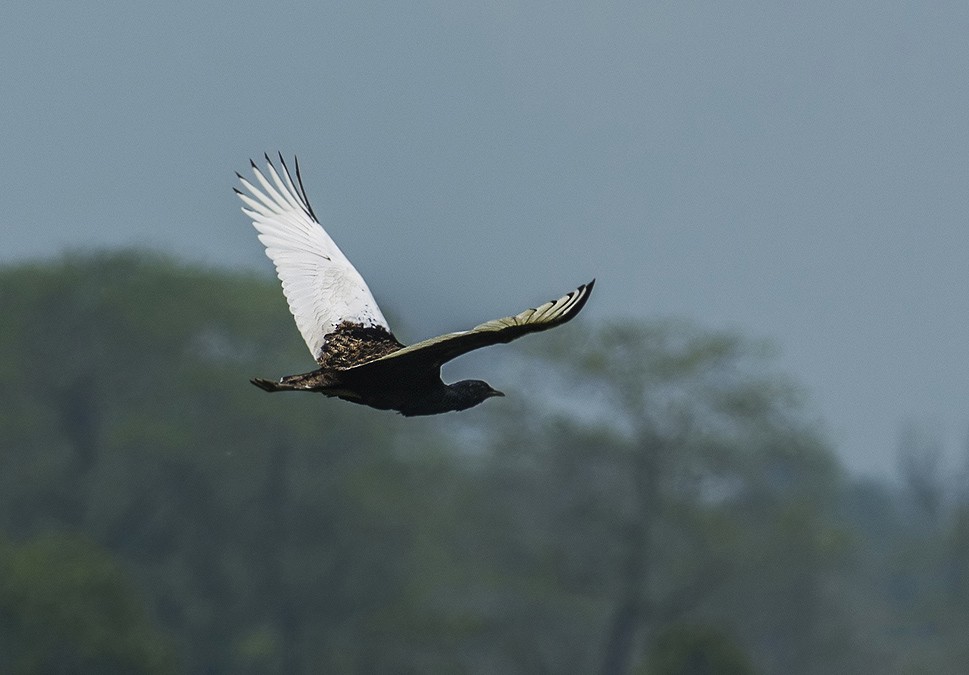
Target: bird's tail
269,385
301,382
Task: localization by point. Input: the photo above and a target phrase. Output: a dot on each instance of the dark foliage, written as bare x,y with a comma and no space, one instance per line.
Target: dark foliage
158,514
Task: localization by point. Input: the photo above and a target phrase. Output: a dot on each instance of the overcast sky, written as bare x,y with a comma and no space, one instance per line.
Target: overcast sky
794,171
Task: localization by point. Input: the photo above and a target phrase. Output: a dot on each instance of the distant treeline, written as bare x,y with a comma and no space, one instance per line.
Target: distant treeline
649,498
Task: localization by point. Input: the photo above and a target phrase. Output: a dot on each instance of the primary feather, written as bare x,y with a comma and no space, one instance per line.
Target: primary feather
436,351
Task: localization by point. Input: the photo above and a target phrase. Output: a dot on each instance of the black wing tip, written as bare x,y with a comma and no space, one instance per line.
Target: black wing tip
298,183
582,292
285,166
269,161
578,299
302,190
282,163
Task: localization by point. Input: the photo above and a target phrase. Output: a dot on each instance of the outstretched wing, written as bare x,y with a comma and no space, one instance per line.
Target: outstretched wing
322,287
436,351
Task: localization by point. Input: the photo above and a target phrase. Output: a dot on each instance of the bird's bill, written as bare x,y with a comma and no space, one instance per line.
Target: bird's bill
495,392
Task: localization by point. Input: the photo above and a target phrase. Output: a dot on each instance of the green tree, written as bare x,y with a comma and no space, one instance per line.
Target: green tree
662,470
67,607
269,533
696,650
641,476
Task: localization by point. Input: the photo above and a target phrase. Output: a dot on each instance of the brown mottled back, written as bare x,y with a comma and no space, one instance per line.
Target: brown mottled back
352,344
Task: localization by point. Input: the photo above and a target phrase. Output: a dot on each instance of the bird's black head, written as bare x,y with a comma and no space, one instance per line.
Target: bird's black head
468,393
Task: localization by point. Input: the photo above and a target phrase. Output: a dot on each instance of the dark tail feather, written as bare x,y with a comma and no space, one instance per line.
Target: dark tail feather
269,385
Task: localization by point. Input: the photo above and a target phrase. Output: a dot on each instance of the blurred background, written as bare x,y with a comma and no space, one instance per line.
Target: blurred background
748,455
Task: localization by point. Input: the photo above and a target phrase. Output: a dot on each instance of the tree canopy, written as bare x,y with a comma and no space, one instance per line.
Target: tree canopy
648,496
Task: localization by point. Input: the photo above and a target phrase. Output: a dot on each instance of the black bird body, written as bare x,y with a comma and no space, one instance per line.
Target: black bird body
360,359
409,392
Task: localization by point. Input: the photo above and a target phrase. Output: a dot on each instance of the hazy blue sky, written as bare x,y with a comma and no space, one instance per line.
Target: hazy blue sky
797,171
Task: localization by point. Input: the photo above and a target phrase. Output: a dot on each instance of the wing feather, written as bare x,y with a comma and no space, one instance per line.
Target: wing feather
439,350
322,287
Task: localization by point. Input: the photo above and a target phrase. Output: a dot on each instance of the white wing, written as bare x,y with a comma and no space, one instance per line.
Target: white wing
322,287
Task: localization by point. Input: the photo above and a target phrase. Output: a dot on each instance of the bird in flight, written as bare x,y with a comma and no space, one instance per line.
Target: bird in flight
360,359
